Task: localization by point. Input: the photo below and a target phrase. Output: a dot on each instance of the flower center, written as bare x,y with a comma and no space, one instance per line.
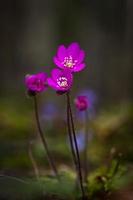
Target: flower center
62,82
69,62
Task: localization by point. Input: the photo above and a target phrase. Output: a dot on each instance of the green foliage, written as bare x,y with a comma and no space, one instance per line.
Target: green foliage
112,129
112,119
107,179
14,188
115,175
63,188
95,181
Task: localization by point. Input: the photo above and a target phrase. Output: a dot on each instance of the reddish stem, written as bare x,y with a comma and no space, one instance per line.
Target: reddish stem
49,157
76,148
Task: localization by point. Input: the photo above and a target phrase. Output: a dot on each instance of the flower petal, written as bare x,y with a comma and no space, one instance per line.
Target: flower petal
69,76
81,56
42,76
79,67
51,83
73,50
36,82
61,52
67,73
57,62
56,73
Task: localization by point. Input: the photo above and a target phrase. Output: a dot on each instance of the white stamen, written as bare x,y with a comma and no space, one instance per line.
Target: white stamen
62,82
69,62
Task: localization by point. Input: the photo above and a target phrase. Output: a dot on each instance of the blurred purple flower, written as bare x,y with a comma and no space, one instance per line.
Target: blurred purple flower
92,100
80,137
36,82
90,95
60,80
49,111
70,58
81,103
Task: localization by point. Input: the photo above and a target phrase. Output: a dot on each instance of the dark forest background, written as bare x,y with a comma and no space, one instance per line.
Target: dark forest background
31,30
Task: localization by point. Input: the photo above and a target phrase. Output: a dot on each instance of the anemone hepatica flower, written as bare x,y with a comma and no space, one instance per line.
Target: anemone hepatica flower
92,100
85,99
91,96
71,58
61,80
36,82
81,103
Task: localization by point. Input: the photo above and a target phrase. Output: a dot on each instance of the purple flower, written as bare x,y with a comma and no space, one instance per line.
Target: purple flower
71,58
81,103
91,96
92,100
36,82
61,80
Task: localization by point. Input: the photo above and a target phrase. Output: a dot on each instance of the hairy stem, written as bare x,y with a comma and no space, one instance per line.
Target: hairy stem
71,137
49,157
76,148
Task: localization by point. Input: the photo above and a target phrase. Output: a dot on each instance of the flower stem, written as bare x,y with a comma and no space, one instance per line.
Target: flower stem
49,157
76,148
86,148
71,136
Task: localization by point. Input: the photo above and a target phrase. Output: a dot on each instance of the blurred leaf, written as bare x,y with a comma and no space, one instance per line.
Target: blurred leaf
26,189
112,119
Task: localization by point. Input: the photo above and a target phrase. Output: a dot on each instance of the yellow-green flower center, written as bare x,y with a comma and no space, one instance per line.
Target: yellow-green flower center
62,82
69,62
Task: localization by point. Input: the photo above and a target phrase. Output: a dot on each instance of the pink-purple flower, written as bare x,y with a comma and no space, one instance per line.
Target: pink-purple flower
90,95
81,103
71,58
60,80
36,83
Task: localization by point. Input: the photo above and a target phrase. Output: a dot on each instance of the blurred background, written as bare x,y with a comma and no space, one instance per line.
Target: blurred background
31,31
